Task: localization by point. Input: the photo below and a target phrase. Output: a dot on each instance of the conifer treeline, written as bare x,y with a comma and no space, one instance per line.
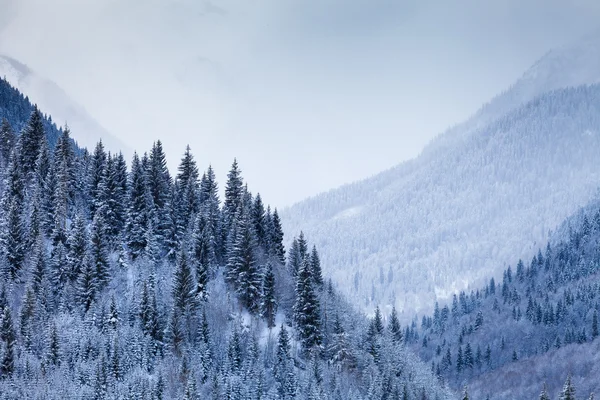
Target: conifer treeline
120,281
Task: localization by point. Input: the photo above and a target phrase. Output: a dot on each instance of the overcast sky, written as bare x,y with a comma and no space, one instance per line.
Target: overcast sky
307,94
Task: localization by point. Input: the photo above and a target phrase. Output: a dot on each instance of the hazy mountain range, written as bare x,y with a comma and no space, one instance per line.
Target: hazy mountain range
480,195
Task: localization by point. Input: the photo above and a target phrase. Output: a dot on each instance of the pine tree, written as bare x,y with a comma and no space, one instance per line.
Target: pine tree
306,309
269,301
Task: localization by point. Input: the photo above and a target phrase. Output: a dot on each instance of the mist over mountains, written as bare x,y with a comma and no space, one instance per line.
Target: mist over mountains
482,193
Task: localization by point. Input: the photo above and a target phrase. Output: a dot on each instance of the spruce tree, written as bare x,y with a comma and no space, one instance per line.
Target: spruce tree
295,258
184,289
139,210
187,190
378,321
77,247
595,325
315,264
86,285
204,252
8,336
258,221
30,141
13,239
394,326
97,171
269,301
7,142
242,267
544,394
159,179
306,309
98,252
234,189
276,239
53,352
568,391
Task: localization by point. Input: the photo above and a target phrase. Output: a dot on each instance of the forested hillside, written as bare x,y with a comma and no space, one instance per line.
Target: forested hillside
538,324
129,282
433,226
16,109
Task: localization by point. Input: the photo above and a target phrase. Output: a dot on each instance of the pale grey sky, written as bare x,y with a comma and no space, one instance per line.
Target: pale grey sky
308,94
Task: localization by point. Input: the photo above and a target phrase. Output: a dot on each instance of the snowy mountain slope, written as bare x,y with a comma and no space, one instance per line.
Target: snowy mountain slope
452,216
543,310
104,309
570,66
86,131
